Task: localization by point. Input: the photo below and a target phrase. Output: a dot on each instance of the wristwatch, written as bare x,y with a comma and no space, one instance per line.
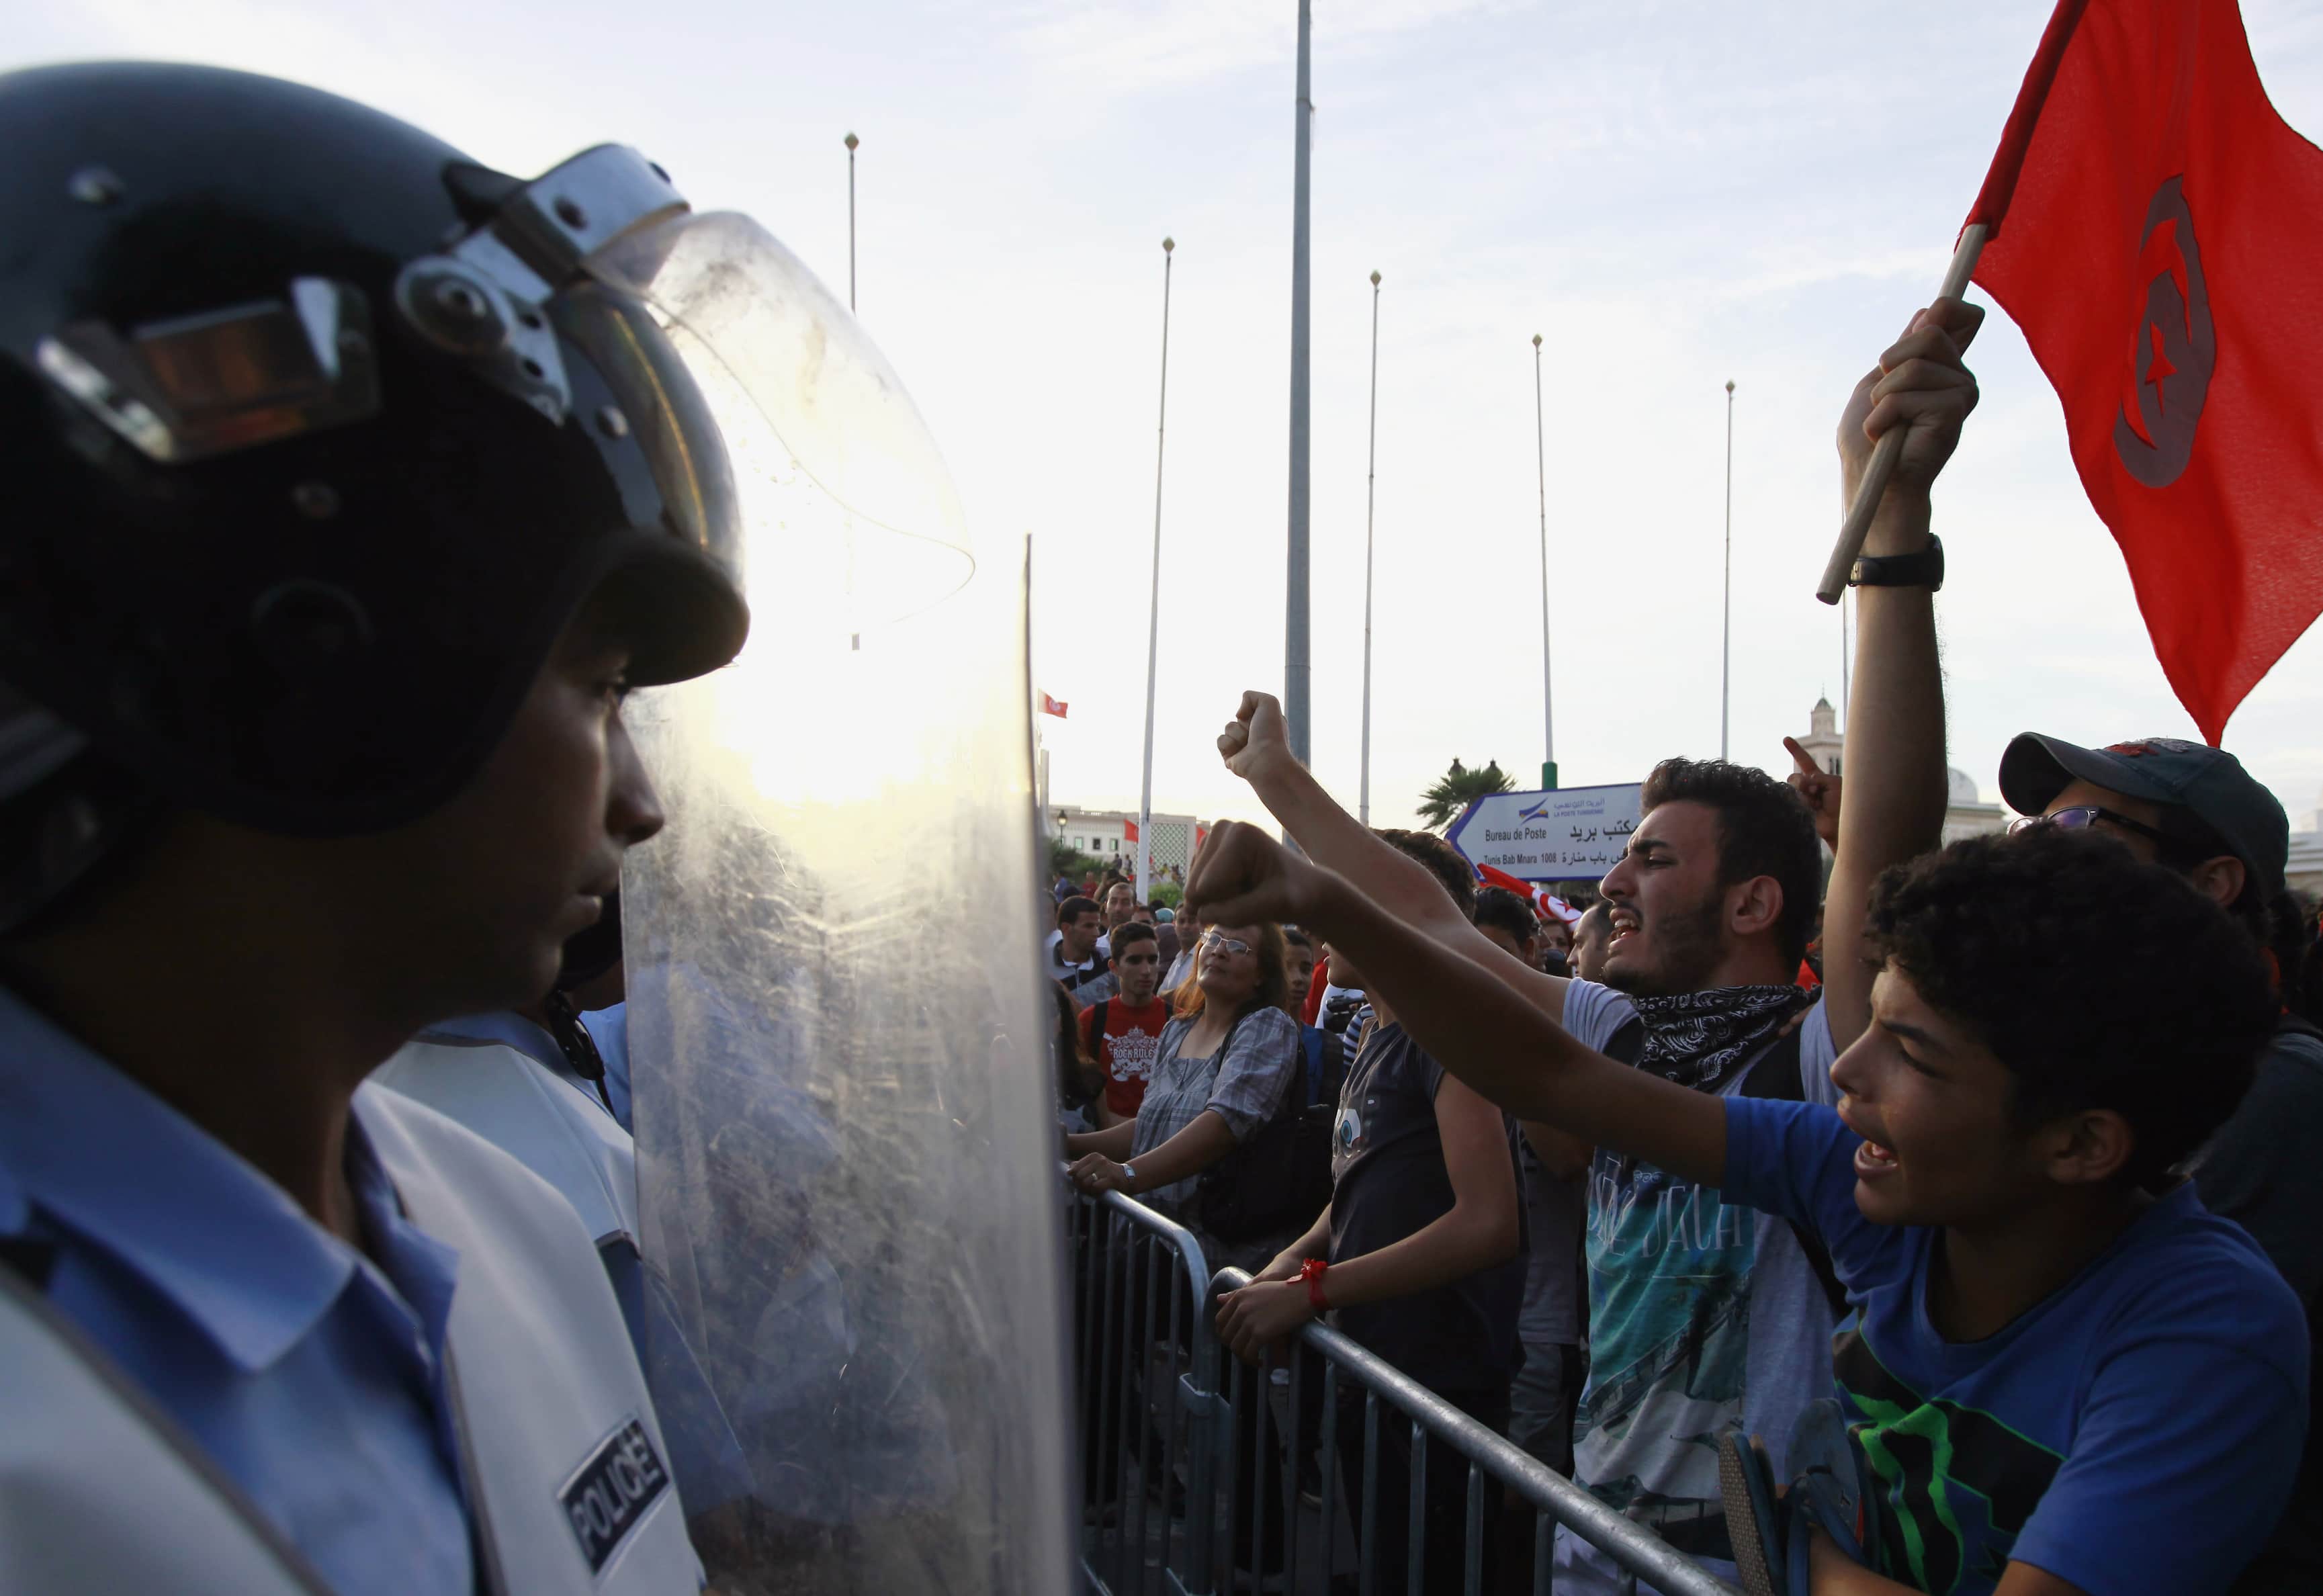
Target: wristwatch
1922,568
1128,1176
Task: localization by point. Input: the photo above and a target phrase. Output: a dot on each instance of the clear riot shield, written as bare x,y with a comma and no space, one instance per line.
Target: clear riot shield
846,1148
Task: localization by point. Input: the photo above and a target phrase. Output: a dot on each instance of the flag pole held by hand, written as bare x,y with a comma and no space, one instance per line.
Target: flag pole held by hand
1890,447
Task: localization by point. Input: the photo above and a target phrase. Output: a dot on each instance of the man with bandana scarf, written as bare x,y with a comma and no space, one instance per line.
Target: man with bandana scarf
1702,1317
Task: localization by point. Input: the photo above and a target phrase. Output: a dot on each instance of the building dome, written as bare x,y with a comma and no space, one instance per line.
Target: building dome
1960,785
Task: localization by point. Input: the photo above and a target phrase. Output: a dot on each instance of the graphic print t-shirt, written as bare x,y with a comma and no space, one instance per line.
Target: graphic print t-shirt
1703,1317
1389,1180
1133,1037
2138,1431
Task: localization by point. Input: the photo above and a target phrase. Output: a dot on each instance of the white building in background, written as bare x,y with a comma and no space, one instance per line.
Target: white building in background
1112,834
1966,814
2305,872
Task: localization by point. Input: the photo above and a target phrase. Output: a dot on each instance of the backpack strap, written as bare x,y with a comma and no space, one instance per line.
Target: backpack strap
1311,1038
1626,1044
1774,1078
1335,1065
1096,1027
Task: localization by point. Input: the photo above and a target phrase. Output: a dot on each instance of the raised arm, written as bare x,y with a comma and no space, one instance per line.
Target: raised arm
1256,748
1892,802
1485,1029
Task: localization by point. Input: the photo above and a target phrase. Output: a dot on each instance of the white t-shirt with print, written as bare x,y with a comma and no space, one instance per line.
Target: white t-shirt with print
1669,1371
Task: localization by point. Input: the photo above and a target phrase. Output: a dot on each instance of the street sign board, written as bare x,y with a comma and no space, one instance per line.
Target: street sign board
1570,834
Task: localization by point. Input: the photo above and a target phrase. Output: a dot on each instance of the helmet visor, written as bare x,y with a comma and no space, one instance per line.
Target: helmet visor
839,487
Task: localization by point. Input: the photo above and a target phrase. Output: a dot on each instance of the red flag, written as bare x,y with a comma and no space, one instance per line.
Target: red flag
2164,235
1129,831
1052,706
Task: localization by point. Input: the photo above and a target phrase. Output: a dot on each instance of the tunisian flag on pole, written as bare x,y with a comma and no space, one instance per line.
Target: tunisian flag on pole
1052,706
2163,254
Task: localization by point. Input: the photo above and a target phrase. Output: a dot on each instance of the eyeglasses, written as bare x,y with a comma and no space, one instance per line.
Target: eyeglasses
1225,944
2082,816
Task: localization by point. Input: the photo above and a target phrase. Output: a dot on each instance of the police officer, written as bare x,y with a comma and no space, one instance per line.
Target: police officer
351,485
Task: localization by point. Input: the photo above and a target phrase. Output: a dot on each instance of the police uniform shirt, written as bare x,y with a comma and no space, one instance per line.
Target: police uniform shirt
609,1028
503,1078
309,1373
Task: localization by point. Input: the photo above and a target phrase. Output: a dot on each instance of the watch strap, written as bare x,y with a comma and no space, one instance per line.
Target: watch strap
1921,568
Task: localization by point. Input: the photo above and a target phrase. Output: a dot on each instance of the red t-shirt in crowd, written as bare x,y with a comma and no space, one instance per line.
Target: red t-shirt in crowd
1133,1039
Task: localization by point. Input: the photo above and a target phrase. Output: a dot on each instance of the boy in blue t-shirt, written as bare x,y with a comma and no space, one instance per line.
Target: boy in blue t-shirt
2066,1375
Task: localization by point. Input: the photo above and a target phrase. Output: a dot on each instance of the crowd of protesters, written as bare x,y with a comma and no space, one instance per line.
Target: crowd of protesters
1978,1189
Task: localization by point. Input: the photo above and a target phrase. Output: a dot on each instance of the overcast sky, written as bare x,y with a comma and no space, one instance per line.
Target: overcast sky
1674,195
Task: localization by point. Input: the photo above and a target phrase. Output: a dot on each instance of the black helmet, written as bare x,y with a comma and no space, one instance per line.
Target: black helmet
319,432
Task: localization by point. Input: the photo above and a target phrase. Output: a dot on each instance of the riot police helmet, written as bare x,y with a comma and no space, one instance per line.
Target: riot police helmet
319,432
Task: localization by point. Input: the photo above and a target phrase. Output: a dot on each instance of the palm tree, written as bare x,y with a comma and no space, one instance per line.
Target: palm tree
1457,788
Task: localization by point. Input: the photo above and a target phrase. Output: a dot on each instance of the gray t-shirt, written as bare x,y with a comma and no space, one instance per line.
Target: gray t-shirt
1703,1318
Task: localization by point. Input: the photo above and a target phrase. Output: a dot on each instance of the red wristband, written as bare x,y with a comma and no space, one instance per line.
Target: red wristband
1311,1272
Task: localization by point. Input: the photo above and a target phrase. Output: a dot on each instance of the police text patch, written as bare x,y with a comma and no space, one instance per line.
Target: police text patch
609,1493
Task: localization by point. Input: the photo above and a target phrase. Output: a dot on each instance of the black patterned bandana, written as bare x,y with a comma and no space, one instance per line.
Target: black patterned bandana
1700,1039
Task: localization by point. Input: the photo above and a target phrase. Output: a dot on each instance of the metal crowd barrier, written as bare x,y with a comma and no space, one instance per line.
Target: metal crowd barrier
1163,1510
1153,1425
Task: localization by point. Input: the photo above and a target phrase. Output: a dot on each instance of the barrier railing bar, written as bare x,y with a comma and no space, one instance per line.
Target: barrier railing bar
1106,1399
1367,1559
1147,1451
1258,1386
1415,1515
1294,1460
1474,1579
1176,1424
1329,1460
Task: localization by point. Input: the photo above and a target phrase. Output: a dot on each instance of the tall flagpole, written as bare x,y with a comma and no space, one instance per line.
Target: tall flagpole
1295,704
1371,480
851,141
1154,615
1540,466
1726,613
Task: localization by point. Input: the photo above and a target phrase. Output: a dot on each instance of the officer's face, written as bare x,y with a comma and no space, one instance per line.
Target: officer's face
519,860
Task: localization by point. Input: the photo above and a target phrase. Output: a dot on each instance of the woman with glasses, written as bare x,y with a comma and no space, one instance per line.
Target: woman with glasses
1225,1063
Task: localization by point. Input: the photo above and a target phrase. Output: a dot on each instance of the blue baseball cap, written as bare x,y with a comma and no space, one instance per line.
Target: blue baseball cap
2208,782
